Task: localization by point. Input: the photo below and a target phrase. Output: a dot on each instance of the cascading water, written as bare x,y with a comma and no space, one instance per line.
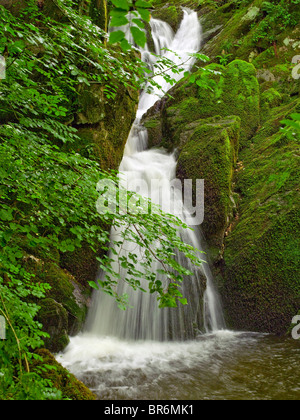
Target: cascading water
144,320
106,324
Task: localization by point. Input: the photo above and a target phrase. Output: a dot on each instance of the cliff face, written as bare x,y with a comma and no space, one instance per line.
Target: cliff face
233,139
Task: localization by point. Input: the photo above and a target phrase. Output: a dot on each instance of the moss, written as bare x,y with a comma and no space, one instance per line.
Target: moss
154,128
54,318
104,127
61,378
236,27
237,93
82,263
210,153
269,99
64,290
171,14
66,296
98,13
262,288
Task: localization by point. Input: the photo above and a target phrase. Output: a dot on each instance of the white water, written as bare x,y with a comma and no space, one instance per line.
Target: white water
145,320
140,337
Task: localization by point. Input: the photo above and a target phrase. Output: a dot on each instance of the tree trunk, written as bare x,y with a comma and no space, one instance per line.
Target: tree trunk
98,13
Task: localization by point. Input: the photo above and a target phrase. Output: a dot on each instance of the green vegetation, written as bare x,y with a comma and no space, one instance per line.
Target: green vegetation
48,190
66,108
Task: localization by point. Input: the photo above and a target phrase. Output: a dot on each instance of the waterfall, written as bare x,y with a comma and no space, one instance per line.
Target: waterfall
178,354
143,320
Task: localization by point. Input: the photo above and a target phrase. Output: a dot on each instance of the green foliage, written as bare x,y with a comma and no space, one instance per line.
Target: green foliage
224,58
134,14
47,195
292,126
277,16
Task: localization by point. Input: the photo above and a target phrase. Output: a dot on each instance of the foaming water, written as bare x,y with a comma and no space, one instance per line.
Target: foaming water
220,365
143,319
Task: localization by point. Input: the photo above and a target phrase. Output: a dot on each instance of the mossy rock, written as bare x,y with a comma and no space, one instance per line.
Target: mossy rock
66,290
270,99
70,387
81,263
210,153
237,93
171,14
66,297
54,318
103,126
261,271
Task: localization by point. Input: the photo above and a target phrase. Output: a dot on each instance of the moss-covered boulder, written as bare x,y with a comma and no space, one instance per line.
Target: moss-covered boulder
261,258
196,122
270,99
103,126
64,308
252,46
170,13
71,388
54,318
210,153
236,92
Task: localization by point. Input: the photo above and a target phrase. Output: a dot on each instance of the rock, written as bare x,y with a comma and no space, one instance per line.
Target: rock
70,387
195,122
269,99
209,152
261,258
64,308
169,13
103,125
54,318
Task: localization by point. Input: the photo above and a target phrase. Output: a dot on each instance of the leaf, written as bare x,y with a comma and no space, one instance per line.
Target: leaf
93,285
145,14
138,23
121,4
143,3
138,36
183,301
6,215
116,36
125,45
296,116
118,21
118,12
